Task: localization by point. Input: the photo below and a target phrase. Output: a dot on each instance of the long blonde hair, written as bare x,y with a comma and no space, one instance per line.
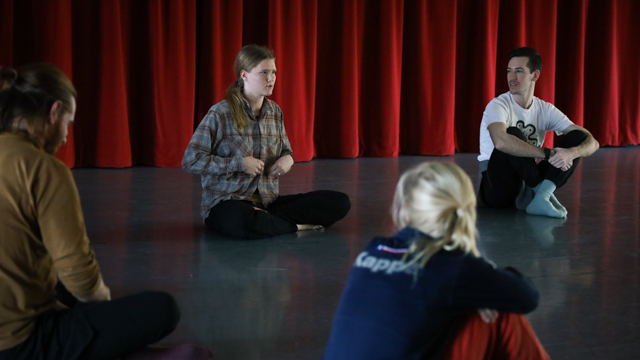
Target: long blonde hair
437,199
248,58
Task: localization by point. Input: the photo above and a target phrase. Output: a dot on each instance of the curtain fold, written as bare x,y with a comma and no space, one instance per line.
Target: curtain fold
173,48
355,77
475,69
336,129
218,40
293,41
104,100
428,78
42,32
6,29
380,31
570,60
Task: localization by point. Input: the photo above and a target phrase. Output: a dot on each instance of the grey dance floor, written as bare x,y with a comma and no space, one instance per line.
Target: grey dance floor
275,298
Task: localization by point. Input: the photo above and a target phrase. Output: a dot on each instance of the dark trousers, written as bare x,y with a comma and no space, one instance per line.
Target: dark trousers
502,180
238,218
100,331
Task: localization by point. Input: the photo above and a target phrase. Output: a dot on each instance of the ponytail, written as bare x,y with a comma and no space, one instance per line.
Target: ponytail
236,103
7,77
437,199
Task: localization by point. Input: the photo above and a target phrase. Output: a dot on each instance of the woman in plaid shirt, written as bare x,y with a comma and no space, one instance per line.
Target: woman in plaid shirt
241,149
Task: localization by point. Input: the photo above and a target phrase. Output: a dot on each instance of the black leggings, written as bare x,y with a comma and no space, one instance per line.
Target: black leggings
100,331
238,218
502,180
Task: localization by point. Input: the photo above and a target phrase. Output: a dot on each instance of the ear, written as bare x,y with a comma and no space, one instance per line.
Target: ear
536,75
54,113
243,75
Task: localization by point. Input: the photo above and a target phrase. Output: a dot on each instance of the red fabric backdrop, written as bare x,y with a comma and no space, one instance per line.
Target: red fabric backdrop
356,77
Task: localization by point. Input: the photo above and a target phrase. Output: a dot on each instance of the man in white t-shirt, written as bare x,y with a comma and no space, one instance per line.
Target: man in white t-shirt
512,132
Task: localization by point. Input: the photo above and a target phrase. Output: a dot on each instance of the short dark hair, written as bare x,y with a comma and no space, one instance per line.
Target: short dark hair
535,61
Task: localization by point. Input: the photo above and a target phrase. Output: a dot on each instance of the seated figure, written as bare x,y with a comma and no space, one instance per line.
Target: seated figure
46,264
425,292
241,150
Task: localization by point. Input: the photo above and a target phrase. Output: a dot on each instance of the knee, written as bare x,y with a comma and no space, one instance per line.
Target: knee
342,203
573,138
517,133
229,219
165,307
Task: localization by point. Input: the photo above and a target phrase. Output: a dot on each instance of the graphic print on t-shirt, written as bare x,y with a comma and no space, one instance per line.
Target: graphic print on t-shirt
529,132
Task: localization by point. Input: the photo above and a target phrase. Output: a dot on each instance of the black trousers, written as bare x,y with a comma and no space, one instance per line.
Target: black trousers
238,218
502,180
100,331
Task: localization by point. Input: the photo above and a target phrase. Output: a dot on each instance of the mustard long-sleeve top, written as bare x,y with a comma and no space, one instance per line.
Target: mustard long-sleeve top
42,237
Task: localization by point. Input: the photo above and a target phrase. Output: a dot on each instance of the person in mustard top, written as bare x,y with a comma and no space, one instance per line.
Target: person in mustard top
43,239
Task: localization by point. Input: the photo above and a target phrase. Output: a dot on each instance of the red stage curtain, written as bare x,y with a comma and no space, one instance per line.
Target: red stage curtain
36,31
219,35
337,111
355,77
428,78
475,73
294,44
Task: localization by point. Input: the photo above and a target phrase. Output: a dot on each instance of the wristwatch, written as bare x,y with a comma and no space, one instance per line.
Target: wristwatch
547,153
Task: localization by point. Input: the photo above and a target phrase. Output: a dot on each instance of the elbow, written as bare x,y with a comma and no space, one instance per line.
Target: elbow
186,166
499,144
188,163
530,300
533,304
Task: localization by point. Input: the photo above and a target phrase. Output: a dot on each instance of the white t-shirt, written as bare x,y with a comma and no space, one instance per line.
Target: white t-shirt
534,121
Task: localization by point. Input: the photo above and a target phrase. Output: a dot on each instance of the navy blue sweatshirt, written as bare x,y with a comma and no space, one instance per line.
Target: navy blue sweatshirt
391,311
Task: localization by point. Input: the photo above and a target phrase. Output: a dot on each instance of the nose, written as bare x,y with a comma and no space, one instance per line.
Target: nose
271,77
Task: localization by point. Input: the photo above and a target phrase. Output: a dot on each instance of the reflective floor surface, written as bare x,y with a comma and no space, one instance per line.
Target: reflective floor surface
275,298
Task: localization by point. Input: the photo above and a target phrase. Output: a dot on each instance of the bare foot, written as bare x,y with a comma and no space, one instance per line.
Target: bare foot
309,227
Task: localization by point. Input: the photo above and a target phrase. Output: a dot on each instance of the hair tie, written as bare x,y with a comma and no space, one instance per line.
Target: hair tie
8,77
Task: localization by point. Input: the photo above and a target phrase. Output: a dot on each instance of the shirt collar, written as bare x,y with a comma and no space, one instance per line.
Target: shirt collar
410,234
266,105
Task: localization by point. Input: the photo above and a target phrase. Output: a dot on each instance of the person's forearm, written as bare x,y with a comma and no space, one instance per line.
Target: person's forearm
208,164
292,161
511,145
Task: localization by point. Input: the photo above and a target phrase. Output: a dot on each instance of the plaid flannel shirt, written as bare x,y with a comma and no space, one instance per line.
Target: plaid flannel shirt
217,149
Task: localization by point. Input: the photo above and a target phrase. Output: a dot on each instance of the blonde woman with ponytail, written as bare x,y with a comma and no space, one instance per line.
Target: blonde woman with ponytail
241,150
426,292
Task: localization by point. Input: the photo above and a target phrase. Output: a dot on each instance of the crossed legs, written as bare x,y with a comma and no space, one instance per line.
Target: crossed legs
241,219
505,175
101,330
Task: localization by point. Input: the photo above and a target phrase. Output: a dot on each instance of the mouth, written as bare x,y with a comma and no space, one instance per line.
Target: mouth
513,84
